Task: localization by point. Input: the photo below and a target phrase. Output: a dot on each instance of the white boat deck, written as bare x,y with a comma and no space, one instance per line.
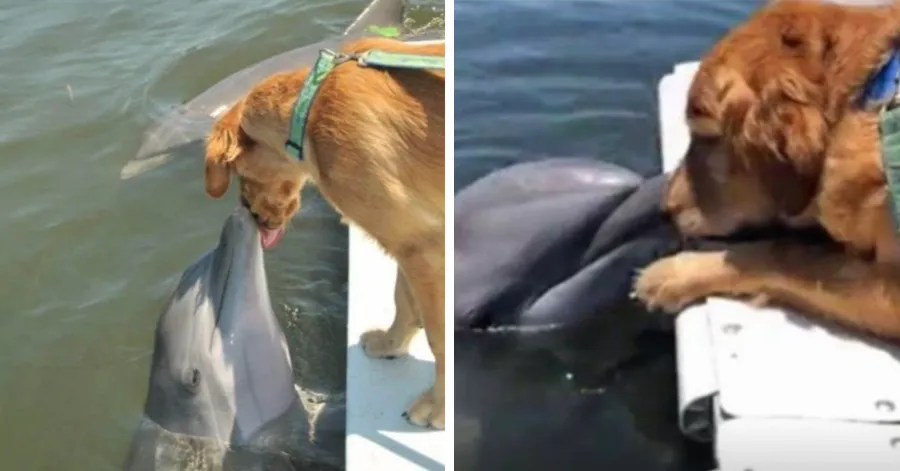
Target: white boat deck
378,391
771,389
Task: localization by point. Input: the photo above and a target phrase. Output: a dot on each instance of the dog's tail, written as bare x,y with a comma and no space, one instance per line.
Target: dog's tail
224,143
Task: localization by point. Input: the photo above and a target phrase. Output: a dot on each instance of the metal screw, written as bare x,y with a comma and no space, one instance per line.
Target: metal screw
884,405
731,329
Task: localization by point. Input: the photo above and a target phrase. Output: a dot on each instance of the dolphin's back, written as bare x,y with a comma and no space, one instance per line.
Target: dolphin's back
187,124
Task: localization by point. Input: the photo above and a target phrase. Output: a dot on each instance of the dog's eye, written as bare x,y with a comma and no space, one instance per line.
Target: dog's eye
791,37
696,111
791,42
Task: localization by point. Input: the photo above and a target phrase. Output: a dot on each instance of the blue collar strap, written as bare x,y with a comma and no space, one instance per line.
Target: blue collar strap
326,62
881,89
881,95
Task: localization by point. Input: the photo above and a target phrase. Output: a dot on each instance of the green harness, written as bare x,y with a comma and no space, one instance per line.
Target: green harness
326,62
890,158
882,93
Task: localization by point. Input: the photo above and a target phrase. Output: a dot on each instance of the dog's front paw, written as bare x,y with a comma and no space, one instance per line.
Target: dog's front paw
381,344
427,411
670,284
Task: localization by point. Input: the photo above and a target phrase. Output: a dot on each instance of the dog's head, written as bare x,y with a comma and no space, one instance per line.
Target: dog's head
761,109
270,179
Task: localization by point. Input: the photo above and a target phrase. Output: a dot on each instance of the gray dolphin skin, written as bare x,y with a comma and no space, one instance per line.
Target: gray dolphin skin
187,124
555,368
534,240
221,394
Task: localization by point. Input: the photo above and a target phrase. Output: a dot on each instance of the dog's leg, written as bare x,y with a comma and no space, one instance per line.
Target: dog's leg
395,341
813,280
423,266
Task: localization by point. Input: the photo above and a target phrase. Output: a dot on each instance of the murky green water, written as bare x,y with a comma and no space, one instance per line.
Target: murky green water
89,259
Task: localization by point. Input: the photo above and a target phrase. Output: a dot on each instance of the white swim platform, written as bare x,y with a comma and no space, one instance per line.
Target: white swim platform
770,389
378,391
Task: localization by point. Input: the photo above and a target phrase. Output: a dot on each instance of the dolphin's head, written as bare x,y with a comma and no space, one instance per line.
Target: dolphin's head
221,367
221,392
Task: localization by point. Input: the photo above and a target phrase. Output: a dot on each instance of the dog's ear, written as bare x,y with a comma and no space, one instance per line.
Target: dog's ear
780,135
218,179
225,143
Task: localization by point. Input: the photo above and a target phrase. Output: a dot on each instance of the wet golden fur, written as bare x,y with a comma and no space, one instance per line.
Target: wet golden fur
777,136
374,146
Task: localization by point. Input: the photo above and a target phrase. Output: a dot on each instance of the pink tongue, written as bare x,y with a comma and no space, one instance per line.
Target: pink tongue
270,237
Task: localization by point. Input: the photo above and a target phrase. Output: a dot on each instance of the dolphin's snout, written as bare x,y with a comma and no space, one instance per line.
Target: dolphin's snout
241,226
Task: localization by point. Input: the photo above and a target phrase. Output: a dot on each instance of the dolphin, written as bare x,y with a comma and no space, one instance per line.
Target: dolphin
221,393
187,124
555,366
535,240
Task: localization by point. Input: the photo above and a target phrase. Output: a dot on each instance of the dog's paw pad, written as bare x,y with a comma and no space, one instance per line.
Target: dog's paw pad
379,344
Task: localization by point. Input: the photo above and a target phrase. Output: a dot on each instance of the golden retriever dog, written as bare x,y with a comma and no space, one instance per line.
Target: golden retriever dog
778,135
374,146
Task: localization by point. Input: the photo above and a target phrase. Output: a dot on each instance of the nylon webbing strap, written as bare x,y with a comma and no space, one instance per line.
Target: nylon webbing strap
323,65
889,126
395,60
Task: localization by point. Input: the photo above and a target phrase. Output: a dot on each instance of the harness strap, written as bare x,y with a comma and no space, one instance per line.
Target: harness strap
393,60
889,127
881,93
325,63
